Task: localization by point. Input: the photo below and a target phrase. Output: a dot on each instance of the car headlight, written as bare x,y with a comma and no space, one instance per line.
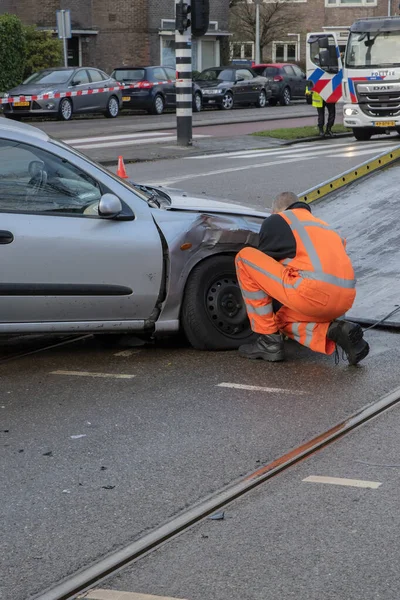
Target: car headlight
6,95
212,92
350,111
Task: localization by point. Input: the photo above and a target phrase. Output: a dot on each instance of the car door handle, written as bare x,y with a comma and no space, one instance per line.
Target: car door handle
6,237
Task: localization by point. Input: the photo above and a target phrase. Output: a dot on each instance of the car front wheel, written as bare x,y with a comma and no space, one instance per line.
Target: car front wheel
227,101
213,314
197,102
112,110
65,110
262,100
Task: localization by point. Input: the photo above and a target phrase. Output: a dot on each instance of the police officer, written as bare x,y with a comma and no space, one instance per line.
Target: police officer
319,103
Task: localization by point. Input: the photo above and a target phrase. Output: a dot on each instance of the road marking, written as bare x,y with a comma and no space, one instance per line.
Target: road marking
131,142
230,170
343,152
105,138
89,374
256,388
115,595
127,352
339,481
350,153
288,150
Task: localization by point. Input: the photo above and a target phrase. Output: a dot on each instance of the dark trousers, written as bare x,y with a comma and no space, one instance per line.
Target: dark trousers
331,115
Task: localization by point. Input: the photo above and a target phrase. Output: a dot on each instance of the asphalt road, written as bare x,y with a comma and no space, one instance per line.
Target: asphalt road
254,177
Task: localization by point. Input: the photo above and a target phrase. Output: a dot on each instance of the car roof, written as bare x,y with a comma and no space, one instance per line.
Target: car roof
274,65
7,127
140,67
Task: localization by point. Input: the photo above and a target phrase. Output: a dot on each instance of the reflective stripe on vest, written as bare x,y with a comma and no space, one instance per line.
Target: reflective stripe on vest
299,226
317,100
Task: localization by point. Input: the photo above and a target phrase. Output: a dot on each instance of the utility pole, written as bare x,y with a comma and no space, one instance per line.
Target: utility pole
183,53
257,49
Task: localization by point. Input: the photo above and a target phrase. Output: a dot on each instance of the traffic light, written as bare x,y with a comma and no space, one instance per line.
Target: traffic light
200,17
182,22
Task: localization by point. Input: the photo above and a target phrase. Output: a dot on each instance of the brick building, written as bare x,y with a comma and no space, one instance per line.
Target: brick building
289,44
108,34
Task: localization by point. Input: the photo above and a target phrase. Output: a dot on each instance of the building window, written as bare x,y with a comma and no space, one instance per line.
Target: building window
242,50
284,52
351,2
205,52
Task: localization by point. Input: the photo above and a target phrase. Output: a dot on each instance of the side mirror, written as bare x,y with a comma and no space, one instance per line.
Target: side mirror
75,82
323,42
239,79
110,206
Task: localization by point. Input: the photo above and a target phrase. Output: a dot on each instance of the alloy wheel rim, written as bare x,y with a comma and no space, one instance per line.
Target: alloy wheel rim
197,100
227,101
113,107
66,109
159,105
286,96
262,99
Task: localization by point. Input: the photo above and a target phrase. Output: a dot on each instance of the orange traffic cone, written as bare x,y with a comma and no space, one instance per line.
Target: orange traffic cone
121,171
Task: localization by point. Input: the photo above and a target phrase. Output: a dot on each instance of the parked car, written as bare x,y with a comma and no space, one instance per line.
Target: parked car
84,250
155,89
67,79
287,81
225,86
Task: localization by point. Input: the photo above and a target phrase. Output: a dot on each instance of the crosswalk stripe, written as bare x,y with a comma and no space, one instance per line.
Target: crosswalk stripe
351,151
105,138
349,154
293,149
130,142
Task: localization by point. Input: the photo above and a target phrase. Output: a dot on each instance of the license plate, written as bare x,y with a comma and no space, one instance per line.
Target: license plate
21,103
385,123
211,102
126,98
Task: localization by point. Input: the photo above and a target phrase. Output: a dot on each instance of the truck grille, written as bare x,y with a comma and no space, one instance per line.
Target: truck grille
379,99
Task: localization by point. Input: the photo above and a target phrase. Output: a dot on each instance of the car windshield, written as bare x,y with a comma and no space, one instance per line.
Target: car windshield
128,74
216,75
50,77
378,49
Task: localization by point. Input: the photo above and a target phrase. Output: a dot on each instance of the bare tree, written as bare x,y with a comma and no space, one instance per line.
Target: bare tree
276,18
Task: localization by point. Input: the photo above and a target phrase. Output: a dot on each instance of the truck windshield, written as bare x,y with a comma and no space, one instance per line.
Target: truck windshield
377,49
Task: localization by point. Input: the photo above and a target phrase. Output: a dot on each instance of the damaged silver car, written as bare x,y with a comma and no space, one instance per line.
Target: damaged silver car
86,251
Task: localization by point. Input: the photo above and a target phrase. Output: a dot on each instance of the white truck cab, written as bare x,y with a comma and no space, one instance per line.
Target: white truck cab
366,78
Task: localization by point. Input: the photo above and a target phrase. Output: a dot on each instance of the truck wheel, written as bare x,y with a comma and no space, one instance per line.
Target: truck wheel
213,311
362,135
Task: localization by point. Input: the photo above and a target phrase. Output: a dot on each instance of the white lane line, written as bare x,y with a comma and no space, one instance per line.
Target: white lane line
339,481
116,595
106,138
257,388
132,142
231,170
90,374
127,353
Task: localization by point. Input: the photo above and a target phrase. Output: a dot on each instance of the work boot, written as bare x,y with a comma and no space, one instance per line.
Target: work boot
329,132
349,336
321,132
268,347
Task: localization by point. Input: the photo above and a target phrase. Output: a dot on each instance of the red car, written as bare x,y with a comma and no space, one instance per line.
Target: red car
287,81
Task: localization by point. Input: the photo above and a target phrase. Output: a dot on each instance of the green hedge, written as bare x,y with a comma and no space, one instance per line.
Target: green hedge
42,51
12,51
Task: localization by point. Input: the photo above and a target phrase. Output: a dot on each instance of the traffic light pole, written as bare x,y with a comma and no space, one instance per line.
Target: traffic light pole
184,94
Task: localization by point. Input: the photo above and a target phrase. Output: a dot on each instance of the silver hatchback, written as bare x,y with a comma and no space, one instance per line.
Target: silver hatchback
80,82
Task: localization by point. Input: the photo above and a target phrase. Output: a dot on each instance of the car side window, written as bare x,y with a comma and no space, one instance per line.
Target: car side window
95,76
298,71
171,74
244,73
80,78
34,181
287,69
159,74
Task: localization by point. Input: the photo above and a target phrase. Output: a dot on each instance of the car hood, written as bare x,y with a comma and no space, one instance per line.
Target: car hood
213,84
181,201
33,89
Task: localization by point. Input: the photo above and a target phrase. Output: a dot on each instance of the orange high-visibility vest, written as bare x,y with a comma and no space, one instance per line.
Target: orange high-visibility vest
320,252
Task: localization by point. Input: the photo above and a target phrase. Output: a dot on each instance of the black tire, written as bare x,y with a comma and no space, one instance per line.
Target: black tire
262,100
65,110
197,102
12,117
286,96
226,101
273,101
362,135
112,110
213,311
158,105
